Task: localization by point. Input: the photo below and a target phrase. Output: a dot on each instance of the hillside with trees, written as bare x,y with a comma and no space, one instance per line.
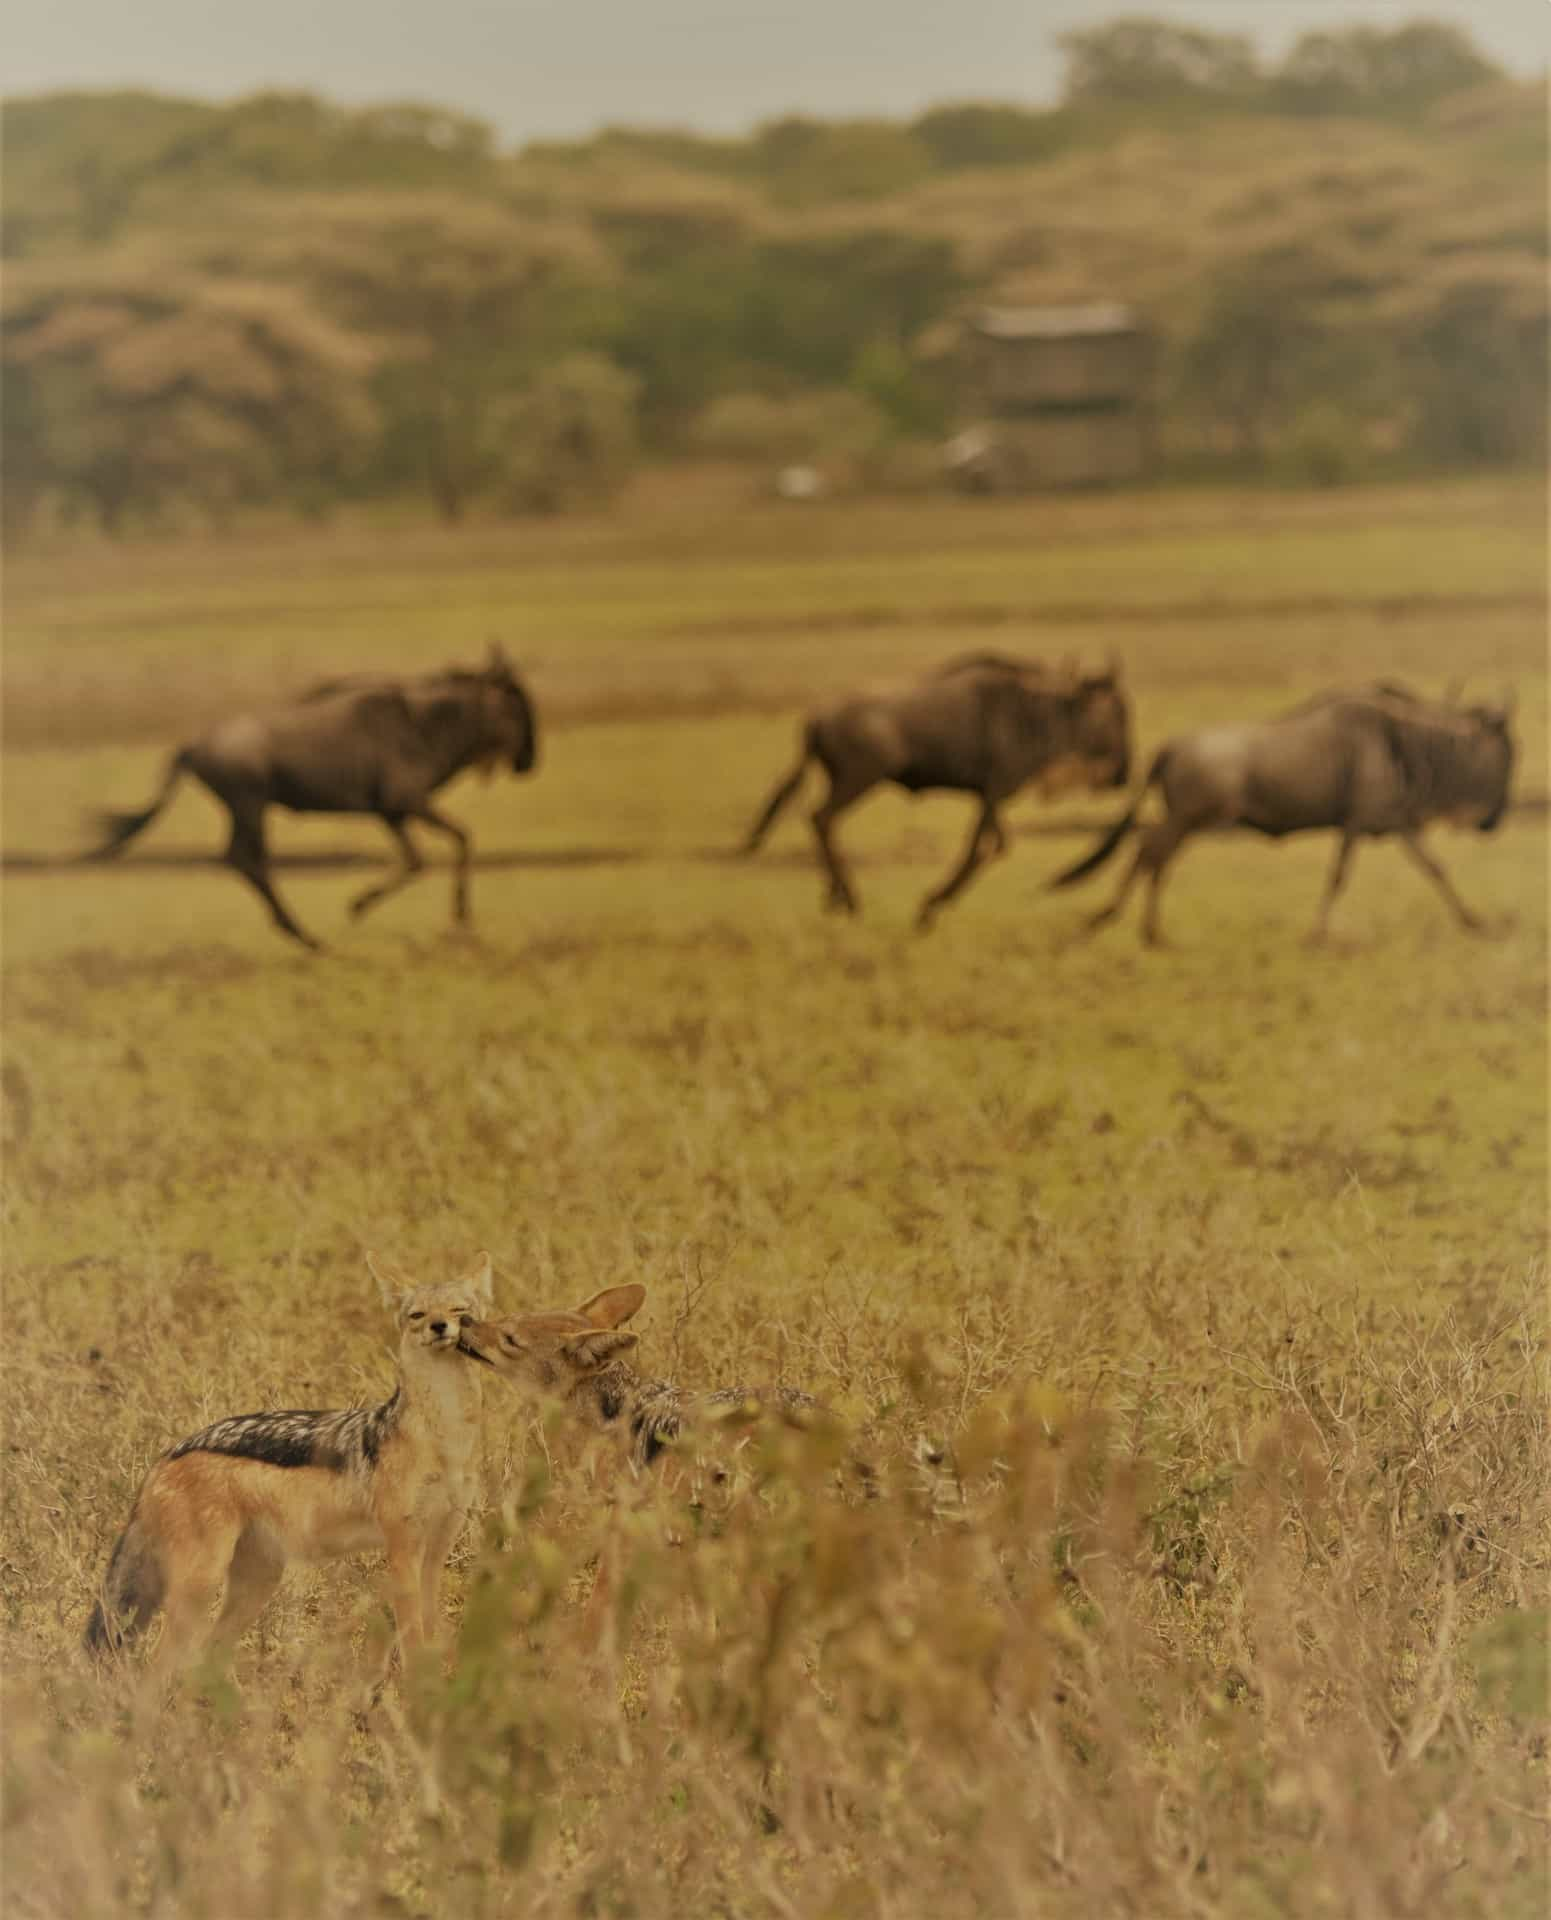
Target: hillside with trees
281,300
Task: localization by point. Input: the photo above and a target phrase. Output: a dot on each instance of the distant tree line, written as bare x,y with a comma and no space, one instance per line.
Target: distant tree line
287,300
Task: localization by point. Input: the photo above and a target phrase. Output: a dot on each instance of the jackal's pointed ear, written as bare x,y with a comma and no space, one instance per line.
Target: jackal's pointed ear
589,1351
614,1306
392,1283
478,1281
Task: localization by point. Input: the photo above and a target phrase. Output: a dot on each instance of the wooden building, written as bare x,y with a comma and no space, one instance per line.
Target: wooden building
1060,396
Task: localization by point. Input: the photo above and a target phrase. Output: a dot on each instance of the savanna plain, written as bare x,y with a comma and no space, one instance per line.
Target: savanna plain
1190,1307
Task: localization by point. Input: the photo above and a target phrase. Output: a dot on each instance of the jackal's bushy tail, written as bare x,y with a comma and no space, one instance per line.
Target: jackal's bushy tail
131,1592
117,829
782,794
1091,862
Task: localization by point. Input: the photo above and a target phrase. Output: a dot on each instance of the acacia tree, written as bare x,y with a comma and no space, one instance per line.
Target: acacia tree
1272,331
569,440
1137,60
471,298
1367,70
129,386
1474,341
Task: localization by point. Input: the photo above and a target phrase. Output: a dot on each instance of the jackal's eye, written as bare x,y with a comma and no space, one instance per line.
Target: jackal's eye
418,1314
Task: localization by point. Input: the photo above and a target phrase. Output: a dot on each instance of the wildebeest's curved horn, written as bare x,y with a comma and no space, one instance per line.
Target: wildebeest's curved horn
496,660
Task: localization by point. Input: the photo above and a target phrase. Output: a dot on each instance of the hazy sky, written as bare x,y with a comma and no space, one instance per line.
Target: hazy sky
542,67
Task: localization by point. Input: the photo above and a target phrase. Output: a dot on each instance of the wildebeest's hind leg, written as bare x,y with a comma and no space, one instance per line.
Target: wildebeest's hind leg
1441,881
247,852
410,863
460,840
1158,846
1158,850
778,800
1333,886
845,789
987,826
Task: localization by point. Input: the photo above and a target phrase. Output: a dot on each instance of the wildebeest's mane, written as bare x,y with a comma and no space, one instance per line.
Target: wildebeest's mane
1424,744
369,682
1374,690
990,659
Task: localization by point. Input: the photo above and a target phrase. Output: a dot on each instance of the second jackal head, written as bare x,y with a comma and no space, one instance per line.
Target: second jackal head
558,1352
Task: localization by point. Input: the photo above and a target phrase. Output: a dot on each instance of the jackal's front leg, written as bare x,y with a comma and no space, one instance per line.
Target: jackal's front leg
439,1546
406,1549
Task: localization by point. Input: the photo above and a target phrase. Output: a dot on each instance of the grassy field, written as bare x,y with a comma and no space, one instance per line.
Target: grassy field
1212,1281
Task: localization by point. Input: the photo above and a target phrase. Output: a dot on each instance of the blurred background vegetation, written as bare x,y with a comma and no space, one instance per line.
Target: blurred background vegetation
284,301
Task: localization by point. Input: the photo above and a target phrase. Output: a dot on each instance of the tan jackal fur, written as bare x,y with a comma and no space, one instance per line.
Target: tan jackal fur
227,1508
691,1440
580,1357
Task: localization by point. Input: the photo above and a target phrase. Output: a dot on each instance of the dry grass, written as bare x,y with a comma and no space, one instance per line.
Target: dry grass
1192,1311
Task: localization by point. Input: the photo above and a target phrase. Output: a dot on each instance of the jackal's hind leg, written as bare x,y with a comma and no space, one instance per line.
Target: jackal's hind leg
251,1581
195,1578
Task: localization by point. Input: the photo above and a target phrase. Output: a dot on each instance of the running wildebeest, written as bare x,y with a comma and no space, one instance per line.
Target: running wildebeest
366,745
985,725
1365,764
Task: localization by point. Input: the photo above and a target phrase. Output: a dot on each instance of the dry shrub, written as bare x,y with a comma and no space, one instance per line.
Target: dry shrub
1276,1654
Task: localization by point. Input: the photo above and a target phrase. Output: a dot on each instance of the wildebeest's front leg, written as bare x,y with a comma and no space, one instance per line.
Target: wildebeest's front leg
247,853
1434,871
987,826
1333,885
460,840
410,863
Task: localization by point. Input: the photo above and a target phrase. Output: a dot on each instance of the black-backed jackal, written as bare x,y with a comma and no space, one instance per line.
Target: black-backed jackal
579,1358
228,1507
697,1444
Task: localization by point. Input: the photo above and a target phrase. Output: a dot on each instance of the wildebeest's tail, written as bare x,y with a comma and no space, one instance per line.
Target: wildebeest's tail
132,1590
118,829
528,753
782,794
1091,862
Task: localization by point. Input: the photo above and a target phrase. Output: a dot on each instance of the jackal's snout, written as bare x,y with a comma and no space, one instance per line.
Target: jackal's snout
477,1338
